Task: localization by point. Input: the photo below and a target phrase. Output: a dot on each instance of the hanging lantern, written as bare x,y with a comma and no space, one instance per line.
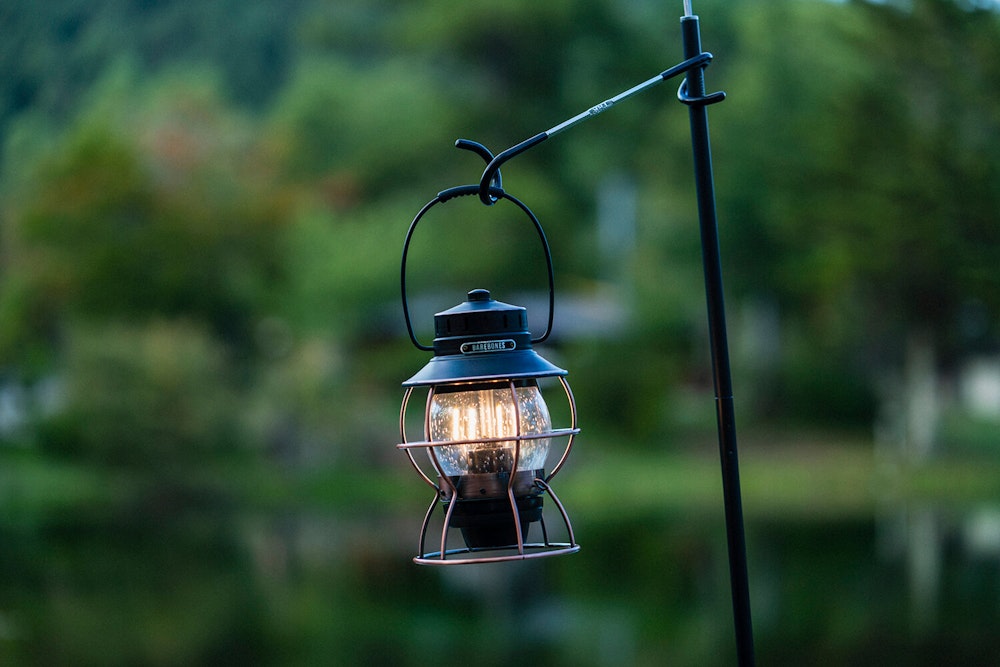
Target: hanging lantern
488,433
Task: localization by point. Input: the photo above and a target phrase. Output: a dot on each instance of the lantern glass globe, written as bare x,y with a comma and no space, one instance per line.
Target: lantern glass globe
489,411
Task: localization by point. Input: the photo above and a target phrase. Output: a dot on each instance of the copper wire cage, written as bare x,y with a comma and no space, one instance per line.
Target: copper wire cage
519,484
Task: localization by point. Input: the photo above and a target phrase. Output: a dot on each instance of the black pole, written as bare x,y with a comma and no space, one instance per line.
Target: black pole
693,94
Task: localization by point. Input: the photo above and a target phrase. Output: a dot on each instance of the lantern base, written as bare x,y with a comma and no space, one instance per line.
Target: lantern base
489,524
489,529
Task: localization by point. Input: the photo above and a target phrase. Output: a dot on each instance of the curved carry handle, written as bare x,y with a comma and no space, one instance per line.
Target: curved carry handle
497,194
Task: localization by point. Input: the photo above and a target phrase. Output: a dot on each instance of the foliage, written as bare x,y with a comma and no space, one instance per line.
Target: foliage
162,222
872,143
55,52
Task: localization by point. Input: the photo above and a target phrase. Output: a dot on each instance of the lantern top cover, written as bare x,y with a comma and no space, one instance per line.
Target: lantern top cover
482,339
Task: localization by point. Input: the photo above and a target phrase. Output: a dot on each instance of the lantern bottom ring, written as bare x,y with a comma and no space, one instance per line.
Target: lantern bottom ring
531,551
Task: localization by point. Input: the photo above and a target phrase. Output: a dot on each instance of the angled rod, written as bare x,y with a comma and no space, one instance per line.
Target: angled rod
491,175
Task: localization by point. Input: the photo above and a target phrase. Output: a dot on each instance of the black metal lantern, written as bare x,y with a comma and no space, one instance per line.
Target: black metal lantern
487,428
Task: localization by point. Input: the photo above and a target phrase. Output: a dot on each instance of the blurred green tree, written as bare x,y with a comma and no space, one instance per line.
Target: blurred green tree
164,219
55,52
857,190
145,250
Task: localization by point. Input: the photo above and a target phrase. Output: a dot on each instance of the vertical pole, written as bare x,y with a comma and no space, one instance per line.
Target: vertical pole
725,414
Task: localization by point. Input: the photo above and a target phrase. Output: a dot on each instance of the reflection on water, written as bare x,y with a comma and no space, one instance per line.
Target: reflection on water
918,587
912,583
945,554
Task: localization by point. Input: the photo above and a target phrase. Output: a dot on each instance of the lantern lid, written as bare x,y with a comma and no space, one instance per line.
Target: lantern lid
482,339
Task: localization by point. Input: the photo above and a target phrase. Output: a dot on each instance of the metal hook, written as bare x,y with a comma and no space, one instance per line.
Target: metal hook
712,98
495,180
493,168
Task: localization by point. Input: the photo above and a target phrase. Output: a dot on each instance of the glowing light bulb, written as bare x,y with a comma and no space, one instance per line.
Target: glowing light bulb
488,411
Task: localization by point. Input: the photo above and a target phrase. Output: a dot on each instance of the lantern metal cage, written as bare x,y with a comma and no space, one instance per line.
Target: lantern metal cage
514,496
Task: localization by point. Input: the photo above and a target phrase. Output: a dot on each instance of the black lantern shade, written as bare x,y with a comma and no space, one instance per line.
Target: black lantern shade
482,339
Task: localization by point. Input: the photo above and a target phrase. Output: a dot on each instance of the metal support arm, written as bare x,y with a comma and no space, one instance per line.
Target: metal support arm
491,176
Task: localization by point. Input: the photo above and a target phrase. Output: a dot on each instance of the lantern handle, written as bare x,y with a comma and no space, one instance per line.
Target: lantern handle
496,193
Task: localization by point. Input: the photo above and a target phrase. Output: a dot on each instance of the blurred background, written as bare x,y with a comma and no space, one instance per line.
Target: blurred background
202,208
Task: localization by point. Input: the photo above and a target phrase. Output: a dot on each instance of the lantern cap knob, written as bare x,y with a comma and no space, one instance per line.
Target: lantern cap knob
479,295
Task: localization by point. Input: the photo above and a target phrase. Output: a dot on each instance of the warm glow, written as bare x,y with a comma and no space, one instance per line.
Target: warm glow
489,413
